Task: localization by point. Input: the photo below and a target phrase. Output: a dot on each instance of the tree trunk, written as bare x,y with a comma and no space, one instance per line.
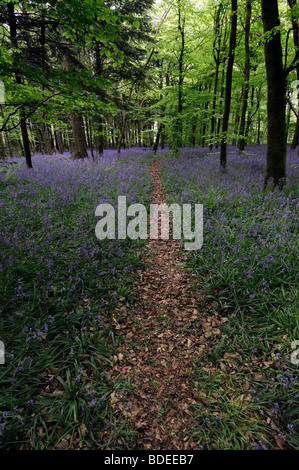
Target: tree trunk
3,154
236,119
139,134
38,137
99,121
58,139
205,122
13,37
178,129
46,137
79,150
217,52
91,140
160,130
213,119
219,124
288,119
228,89
241,141
276,152
25,139
6,136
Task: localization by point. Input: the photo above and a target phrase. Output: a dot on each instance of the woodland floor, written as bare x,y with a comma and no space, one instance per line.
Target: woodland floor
157,341
142,346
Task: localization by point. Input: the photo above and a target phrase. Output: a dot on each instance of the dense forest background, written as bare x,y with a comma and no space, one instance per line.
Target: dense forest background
97,75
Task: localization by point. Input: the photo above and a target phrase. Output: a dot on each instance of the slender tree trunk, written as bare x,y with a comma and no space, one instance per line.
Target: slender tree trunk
139,134
288,118
193,133
213,119
205,123
87,132
13,37
25,139
258,138
178,131
237,118
101,139
122,121
241,141
228,90
91,140
276,152
219,124
217,52
99,68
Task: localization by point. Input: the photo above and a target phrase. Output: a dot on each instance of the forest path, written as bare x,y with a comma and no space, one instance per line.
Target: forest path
158,341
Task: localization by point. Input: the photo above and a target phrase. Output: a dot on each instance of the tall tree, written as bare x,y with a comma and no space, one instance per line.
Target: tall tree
241,140
276,106
178,122
18,79
228,89
217,46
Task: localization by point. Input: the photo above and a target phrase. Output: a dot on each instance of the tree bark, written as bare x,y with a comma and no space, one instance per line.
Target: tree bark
58,140
38,137
276,151
46,137
80,150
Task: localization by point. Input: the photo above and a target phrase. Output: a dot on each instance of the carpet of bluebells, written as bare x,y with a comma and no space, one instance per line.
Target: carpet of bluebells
248,268
59,287
58,283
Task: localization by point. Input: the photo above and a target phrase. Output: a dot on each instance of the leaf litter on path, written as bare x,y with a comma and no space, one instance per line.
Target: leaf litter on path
159,339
